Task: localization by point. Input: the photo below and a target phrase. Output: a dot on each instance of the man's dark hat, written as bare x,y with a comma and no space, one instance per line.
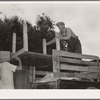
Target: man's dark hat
60,23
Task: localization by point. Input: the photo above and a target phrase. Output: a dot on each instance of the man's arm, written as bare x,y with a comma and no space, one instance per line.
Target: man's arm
52,41
16,61
20,64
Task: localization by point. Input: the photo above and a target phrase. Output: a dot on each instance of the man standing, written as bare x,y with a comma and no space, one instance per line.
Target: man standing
68,40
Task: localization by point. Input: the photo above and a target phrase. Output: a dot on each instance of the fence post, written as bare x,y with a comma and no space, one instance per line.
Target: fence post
14,43
25,36
44,47
57,43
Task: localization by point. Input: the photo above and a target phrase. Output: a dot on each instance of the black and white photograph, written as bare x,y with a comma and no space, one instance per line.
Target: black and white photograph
51,45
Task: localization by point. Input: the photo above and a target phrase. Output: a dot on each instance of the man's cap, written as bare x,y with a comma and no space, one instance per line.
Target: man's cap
60,23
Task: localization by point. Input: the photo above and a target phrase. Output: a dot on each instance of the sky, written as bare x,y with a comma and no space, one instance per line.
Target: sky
82,17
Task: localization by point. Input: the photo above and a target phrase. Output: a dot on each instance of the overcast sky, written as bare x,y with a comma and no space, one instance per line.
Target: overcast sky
82,18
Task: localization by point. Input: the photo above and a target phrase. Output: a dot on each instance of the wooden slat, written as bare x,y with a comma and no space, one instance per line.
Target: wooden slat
44,47
74,55
57,43
19,79
38,55
26,78
79,68
37,59
25,36
34,58
43,73
32,74
56,65
14,43
38,79
76,61
87,75
17,53
66,74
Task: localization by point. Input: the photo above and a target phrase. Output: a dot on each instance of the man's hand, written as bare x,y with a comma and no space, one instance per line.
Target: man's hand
48,43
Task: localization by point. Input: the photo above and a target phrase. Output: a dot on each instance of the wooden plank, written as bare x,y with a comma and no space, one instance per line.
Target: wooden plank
26,84
32,74
74,55
66,74
38,55
35,59
57,42
76,61
44,47
19,79
56,85
13,55
87,75
56,65
14,43
43,73
25,36
38,79
79,68
78,76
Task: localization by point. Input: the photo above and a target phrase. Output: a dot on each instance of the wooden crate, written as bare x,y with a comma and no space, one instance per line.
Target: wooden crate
64,61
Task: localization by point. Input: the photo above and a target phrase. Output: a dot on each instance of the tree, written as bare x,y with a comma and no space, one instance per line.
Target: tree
44,23
43,29
7,27
45,26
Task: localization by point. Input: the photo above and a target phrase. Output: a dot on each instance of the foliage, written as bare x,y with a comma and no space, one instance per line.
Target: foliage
44,23
7,27
43,28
